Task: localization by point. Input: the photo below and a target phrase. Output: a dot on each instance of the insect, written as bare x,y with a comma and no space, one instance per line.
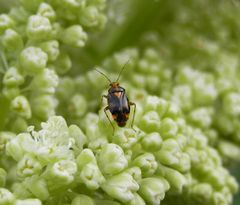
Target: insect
118,103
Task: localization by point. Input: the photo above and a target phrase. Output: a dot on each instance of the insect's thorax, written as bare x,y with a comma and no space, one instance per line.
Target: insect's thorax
116,89
118,103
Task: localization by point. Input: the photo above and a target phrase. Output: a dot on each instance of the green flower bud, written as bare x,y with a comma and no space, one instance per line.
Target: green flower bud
104,126
173,111
139,80
111,159
199,140
215,176
5,22
204,93
137,200
45,82
65,88
51,152
143,65
10,92
182,96
6,197
232,184
56,30
181,125
219,198
19,15
126,138
3,175
231,104
61,173
152,82
168,128
55,130
121,187
82,199
194,155
5,137
91,176
129,153
184,164
135,172
22,143
43,106
20,191
63,63
33,60
152,141
46,11
150,122
14,149
157,104
186,74
92,130
214,156
12,41
38,27
176,180
169,154
89,16
202,192
78,105
152,190
19,125
37,186
147,163
212,135
73,4
79,137
51,48
97,144
28,166
74,36
12,77
152,56
20,105
85,157
201,117
28,202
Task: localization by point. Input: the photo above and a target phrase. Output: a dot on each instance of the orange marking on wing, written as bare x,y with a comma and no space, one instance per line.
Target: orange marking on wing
114,117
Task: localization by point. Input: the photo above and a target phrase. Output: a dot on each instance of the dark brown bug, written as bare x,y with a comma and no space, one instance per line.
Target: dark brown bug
118,103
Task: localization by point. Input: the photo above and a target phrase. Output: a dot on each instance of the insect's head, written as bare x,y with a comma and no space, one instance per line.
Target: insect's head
113,83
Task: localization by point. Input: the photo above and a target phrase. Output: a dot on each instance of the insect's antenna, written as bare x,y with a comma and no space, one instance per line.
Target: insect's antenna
124,66
103,75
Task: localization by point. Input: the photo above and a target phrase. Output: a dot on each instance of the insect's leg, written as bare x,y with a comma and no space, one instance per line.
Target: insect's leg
105,110
103,96
133,104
